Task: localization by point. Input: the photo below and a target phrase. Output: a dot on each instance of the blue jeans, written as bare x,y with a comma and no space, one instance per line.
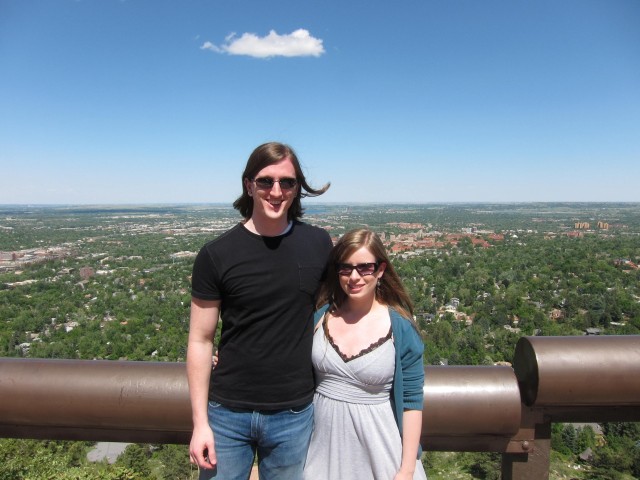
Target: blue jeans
280,438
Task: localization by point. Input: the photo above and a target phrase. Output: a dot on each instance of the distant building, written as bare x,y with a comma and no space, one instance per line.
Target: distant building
86,273
587,455
183,254
556,314
426,317
7,256
625,263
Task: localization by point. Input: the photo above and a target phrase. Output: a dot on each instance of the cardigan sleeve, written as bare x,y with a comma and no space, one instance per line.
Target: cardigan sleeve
411,358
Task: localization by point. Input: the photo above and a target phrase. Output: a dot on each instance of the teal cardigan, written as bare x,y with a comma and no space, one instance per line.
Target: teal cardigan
408,379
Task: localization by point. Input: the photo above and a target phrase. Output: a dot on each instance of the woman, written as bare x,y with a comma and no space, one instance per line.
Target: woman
367,357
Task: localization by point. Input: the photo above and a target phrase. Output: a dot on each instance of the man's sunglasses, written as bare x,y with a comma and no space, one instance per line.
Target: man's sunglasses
267,182
363,269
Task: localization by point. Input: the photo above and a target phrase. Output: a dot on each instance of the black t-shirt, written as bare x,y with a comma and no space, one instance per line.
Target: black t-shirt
266,286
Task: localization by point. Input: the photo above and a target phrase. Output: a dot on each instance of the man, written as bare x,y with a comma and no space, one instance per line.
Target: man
260,277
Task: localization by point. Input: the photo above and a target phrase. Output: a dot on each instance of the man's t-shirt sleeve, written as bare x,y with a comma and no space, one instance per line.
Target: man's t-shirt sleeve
204,277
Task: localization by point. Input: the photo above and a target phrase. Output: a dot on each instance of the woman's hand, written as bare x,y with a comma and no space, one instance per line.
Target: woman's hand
403,475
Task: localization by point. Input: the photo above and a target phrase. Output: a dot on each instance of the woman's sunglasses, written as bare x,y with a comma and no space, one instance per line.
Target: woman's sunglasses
363,269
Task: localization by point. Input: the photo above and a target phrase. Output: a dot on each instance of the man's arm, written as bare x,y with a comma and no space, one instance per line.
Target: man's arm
202,329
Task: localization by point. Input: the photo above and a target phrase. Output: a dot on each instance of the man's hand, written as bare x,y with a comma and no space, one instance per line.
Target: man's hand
201,449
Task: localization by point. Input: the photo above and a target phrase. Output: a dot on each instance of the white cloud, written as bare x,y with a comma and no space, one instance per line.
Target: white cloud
296,44
210,46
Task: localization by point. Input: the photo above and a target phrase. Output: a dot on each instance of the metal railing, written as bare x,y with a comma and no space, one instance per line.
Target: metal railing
466,408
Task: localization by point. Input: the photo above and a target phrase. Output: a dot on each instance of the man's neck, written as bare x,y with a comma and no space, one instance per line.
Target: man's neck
267,228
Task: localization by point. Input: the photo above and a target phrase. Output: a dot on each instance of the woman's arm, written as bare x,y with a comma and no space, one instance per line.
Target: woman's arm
411,427
411,360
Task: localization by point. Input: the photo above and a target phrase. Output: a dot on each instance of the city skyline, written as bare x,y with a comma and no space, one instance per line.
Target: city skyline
140,102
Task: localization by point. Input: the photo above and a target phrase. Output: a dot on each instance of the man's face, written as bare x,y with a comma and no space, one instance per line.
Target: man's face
272,204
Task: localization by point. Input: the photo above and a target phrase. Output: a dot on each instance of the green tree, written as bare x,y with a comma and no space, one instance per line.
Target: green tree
174,462
586,439
558,439
570,438
136,458
485,466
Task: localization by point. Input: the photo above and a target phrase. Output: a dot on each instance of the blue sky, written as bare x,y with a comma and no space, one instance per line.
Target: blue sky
141,101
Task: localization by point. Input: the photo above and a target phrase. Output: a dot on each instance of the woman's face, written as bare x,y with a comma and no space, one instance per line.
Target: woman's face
360,282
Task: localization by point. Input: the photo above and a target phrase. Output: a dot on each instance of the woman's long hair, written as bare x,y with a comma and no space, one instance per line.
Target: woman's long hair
390,292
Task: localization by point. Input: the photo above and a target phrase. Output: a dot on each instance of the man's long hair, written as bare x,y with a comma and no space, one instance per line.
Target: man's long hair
269,154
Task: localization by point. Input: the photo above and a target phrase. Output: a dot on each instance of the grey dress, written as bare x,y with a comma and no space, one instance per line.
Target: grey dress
355,434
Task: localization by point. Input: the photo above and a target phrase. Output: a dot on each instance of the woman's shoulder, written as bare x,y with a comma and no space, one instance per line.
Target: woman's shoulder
319,313
400,320
403,327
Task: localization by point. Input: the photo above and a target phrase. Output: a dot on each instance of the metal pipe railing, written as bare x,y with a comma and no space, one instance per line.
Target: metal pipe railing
94,400
589,371
470,408
138,401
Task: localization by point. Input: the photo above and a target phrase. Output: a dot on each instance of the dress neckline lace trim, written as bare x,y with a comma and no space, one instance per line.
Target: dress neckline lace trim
362,352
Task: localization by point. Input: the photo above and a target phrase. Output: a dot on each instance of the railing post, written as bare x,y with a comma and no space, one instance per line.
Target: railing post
535,464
